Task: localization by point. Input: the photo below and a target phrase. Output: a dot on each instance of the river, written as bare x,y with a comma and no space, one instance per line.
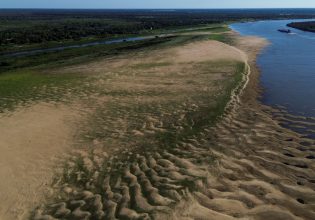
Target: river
287,71
95,43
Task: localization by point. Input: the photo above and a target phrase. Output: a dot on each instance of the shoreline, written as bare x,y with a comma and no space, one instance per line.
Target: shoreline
287,103
263,170
289,165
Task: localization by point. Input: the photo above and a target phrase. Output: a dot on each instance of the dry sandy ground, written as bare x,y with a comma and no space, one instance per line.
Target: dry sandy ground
140,98
32,139
194,52
246,167
263,171
35,138
135,96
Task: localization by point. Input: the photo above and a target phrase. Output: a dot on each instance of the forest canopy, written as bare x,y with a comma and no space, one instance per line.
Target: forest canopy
39,26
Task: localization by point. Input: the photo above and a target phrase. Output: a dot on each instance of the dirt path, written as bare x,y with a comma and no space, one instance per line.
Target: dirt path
32,140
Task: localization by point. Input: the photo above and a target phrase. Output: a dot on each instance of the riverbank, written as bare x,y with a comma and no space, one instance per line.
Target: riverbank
287,78
265,170
303,26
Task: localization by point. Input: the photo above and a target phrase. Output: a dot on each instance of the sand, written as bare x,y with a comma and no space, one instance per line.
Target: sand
32,139
265,172
205,51
245,167
144,179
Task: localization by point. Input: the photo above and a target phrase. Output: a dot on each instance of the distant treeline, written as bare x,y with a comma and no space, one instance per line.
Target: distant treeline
38,26
304,26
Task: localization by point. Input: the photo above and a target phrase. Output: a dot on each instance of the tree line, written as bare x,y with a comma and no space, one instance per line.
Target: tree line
304,26
38,26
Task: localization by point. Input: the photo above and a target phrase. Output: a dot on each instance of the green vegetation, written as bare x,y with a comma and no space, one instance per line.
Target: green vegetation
39,31
29,29
25,86
150,65
75,55
304,26
208,114
104,123
86,54
224,38
130,101
23,79
140,109
207,28
210,106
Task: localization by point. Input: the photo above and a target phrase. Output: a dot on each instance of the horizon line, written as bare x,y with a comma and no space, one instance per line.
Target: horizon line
152,8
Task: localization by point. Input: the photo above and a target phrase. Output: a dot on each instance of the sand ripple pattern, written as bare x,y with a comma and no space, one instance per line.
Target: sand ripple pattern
263,171
137,186
300,124
246,167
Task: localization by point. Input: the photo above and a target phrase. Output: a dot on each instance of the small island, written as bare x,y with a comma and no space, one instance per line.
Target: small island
304,26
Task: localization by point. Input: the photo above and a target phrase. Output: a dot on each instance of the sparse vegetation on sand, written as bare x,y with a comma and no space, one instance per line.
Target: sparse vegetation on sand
140,125
146,114
23,87
134,96
26,79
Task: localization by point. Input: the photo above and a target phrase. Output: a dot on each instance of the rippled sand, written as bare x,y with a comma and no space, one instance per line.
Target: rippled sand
245,167
262,171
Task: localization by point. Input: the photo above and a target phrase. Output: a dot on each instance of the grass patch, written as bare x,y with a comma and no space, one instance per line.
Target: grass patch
206,115
22,80
150,65
212,29
87,54
224,38
24,86
75,55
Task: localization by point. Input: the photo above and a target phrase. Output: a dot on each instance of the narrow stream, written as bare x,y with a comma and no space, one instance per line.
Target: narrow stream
95,43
